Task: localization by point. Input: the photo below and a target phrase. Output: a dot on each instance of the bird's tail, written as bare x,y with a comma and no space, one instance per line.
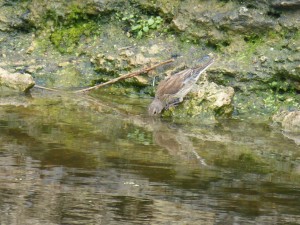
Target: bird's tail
205,62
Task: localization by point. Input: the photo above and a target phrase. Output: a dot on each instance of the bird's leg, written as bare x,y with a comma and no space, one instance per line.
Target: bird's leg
174,102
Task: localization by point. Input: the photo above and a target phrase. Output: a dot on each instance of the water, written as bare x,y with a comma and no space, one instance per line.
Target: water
68,159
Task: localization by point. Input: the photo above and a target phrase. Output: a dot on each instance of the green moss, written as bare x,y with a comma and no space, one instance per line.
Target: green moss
297,35
66,15
52,17
281,85
264,104
192,108
76,14
67,38
253,42
217,45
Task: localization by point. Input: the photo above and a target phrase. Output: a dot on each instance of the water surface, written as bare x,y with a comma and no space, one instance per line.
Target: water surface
68,159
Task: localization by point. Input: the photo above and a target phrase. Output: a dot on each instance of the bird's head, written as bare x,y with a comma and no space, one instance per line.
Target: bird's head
155,107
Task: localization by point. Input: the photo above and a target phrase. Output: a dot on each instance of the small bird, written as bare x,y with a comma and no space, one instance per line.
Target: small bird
172,90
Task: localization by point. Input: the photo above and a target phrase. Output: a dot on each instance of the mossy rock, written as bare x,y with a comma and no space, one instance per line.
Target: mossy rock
67,38
207,101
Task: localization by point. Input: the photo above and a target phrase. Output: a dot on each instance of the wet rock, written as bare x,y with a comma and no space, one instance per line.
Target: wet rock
257,42
10,17
166,7
155,49
286,4
218,97
32,47
111,64
140,59
290,121
215,21
126,60
207,101
17,81
180,23
42,11
247,20
254,55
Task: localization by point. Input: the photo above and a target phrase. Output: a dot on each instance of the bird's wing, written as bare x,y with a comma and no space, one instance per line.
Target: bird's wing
174,88
172,84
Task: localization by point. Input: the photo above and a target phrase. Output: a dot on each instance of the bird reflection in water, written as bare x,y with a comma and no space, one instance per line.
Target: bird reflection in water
177,144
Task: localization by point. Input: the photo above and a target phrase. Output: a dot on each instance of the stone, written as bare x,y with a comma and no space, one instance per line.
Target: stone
286,4
154,49
17,81
219,97
140,59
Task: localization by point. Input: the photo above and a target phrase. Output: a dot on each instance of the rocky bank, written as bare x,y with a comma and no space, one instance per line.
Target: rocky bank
65,44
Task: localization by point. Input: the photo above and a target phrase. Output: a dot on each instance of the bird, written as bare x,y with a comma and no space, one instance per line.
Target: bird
173,89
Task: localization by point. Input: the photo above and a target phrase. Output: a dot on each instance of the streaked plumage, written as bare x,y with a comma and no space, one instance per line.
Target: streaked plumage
172,90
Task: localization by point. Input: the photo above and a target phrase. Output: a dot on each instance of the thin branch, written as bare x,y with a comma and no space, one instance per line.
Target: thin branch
129,75
125,48
45,88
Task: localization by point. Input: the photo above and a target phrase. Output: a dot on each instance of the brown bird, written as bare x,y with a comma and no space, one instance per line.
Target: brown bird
172,90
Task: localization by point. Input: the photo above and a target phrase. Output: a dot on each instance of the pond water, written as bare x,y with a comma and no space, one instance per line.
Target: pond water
68,159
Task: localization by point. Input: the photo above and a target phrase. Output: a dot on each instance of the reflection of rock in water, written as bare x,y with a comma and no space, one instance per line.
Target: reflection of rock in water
174,140
176,143
293,136
15,101
290,123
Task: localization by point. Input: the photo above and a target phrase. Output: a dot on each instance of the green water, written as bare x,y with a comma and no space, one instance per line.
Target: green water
68,159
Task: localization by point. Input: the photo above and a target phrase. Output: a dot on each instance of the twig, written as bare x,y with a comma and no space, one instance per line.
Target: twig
129,75
45,88
125,48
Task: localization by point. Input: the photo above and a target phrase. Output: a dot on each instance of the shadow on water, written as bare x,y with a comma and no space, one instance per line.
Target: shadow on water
82,160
